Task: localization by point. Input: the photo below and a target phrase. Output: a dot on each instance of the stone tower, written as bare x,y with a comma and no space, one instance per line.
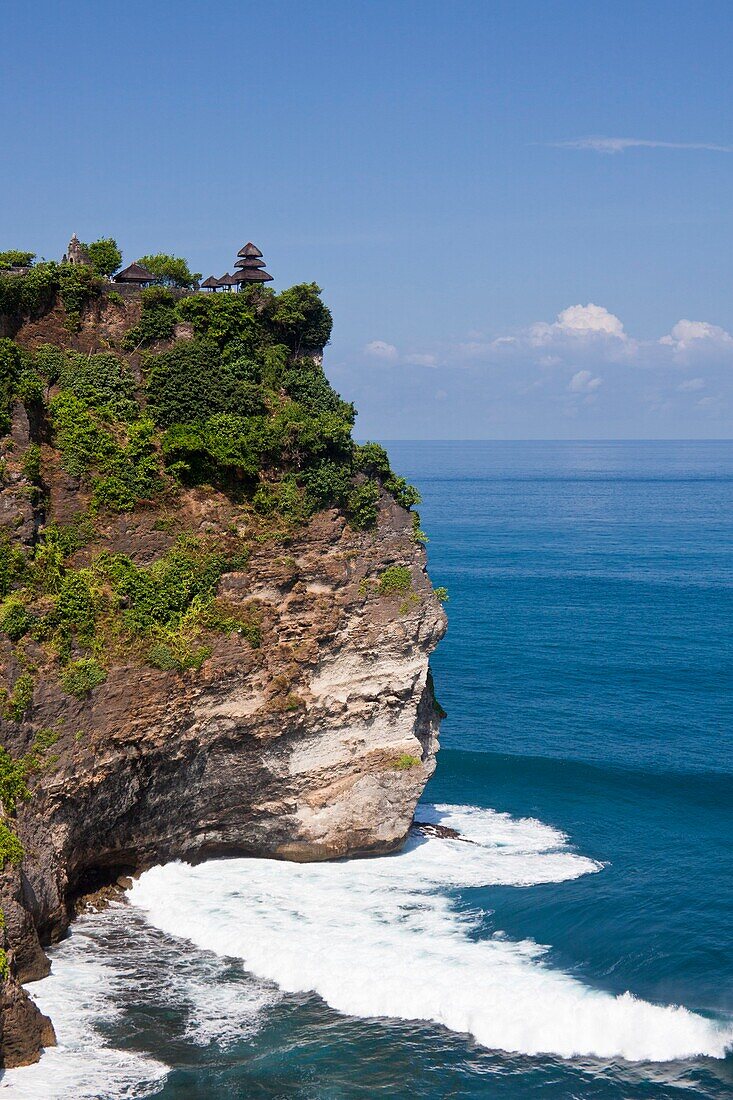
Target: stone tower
75,253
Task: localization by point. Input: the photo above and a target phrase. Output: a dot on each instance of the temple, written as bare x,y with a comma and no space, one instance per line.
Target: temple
249,268
76,253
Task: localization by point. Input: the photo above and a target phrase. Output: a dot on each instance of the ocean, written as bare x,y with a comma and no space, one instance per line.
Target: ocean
581,946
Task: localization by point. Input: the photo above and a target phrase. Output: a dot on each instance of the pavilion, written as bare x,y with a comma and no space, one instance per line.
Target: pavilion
135,275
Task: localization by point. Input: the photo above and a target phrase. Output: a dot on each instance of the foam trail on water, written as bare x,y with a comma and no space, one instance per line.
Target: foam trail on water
114,964
382,937
82,993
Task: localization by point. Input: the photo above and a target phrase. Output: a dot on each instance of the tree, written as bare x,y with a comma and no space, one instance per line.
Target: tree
105,256
13,257
170,270
301,319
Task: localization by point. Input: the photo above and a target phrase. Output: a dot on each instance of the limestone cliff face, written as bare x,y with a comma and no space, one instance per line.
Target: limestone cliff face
316,744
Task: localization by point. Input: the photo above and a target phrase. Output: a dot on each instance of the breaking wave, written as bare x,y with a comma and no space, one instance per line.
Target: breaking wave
384,937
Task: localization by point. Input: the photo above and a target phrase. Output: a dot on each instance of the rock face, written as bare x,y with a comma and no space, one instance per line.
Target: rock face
314,745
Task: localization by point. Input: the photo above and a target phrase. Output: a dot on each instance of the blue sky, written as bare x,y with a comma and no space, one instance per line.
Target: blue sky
492,272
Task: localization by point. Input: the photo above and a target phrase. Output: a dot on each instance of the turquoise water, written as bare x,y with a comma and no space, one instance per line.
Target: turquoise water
587,676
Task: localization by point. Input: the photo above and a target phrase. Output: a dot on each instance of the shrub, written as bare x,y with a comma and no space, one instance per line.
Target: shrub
362,505
31,463
76,605
395,579
157,319
441,594
306,383
228,320
184,385
14,618
326,484
372,459
49,362
81,677
405,762
10,367
405,494
13,786
13,564
103,382
31,388
283,497
77,286
20,698
11,850
120,473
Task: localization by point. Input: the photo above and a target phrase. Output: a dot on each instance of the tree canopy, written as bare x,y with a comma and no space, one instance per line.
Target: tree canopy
170,270
105,256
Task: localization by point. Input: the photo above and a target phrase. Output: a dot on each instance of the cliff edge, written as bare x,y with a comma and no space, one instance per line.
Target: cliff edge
216,622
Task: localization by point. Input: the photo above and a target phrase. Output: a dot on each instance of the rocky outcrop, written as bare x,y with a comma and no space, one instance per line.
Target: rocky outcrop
314,745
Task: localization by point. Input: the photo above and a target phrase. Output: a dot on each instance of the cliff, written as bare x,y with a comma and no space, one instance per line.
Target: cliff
215,659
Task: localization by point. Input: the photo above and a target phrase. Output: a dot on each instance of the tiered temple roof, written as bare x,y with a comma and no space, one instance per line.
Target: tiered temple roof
249,268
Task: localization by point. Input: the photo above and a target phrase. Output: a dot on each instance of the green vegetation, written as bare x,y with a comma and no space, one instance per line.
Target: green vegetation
105,256
170,270
396,579
81,677
157,319
17,703
238,403
13,785
441,593
14,790
405,762
35,293
10,368
120,464
31,462
14,257
11,850
14,618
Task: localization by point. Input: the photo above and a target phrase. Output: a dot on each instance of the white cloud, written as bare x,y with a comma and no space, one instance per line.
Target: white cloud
619,145
421,360
584,325
584,382
691,385
696,336
379,349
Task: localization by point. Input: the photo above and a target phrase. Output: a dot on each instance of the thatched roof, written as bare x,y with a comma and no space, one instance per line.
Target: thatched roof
250,261
252,275
250,250
135,273
210,284
227,280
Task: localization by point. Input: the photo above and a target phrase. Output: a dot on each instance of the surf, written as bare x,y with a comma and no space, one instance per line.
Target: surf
386,938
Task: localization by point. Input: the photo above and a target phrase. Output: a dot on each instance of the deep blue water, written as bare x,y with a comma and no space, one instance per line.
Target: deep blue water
587,676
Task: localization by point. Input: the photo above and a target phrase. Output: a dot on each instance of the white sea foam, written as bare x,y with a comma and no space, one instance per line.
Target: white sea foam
82,994
383,937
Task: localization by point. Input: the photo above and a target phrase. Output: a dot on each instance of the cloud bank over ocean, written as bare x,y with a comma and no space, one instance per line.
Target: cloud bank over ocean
552,377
